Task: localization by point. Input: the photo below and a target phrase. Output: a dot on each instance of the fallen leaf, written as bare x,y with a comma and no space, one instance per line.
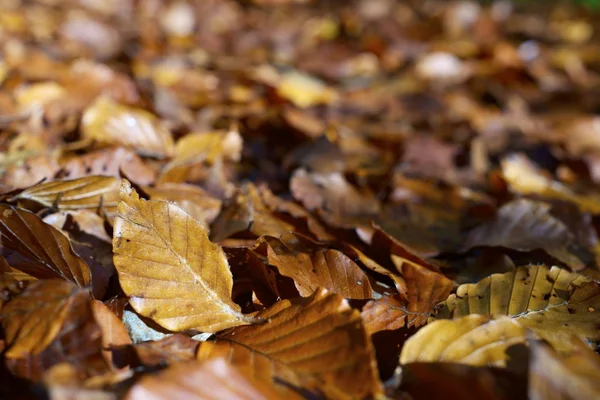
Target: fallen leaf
338,202
114,333
472,339
425,289
575,376
91,192
200,205
106,121
170,350
247,212
212,379
552,301
51,322
319,336
169,269
37,249
527,225
312,266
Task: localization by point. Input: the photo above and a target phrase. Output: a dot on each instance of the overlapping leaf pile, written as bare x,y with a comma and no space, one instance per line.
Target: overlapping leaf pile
271,199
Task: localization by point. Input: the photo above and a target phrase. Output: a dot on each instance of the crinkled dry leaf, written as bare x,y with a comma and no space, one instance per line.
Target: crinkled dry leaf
319,336
472,339
527,225
169,268
33,247
94,192
552,377
114,333
425,289
553,302
106,121
213,379
312,266
174,349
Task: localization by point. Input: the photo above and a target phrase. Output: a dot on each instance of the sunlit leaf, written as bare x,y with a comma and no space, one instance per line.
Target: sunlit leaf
169,269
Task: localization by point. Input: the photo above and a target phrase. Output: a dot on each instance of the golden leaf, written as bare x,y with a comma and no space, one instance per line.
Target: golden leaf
169,269
473,339
91,192
106,121
320,337
553,302
38,249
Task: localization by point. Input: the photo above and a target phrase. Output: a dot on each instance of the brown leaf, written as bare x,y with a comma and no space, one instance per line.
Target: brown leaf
35,248
109,162
90,192
552,377
212,379
106,121
425,289
51,322
114,333
169,269
423,381
527,225
31,171
319,336
247,212
312,266
173,349
338,202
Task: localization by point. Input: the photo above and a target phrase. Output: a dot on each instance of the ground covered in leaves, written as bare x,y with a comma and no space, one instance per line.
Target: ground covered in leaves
290,199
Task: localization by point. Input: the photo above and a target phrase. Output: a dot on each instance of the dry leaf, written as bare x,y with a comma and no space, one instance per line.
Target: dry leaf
247,211
169,269
51,322
552,377
114,333
312,266
425,289
337,202
35,248
319,336
213,379
90,192
473,340
527,225
106,121
553,302
199,204
174,349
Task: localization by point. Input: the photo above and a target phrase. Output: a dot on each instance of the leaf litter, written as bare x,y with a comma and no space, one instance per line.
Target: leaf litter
267,199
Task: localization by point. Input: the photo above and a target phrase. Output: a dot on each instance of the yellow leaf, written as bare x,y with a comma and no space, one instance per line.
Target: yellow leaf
473,339
91,192
169,269
106,121
553,302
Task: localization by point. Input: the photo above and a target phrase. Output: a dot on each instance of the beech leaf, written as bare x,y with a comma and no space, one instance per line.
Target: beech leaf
33,247
169,268
473,340
552,301
320,337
